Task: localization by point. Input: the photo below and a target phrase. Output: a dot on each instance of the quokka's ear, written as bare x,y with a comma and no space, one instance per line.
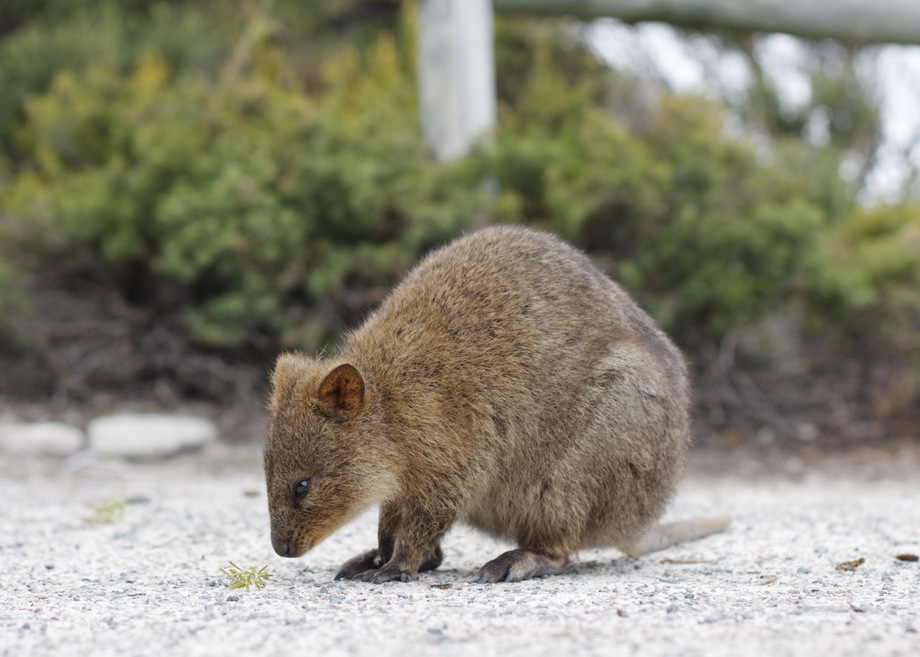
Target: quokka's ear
341,394
285,376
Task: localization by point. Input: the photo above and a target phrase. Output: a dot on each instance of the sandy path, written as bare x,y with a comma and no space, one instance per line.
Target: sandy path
150,582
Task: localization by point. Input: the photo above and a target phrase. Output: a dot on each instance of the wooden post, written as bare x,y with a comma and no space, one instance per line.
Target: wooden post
853,21
456,75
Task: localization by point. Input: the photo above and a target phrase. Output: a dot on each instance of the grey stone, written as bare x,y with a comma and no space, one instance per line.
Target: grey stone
149,434
41,438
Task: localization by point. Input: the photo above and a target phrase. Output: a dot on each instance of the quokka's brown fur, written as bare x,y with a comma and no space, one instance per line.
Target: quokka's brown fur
505,383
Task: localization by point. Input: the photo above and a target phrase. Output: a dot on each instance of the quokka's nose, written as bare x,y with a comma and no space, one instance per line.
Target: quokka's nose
282,547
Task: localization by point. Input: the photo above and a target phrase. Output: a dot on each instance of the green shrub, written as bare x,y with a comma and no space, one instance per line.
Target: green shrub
73,35
680,212
871,269
265,210
253,202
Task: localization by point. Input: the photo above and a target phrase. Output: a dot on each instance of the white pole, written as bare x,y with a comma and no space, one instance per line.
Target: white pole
456,75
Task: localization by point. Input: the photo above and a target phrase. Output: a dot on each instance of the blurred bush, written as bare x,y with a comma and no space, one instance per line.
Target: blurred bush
264,184
243,204
868,294
708,237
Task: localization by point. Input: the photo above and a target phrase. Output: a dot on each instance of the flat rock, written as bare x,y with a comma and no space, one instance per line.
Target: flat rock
40,438
149,434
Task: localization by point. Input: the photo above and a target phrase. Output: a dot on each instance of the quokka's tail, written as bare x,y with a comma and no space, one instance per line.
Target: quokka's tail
667,534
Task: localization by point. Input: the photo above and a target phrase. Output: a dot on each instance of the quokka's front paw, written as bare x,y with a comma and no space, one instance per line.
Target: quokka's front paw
381,575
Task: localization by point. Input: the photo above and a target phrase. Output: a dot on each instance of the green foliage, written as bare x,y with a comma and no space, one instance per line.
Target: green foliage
246,578
73,35
268,187
884,245
734,241
255,201
107,512
709,237
561,162
872,267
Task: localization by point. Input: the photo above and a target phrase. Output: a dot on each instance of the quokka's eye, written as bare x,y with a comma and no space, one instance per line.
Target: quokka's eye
301,488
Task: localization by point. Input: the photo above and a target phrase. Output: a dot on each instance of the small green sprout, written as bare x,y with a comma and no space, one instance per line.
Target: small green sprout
245,578
107,512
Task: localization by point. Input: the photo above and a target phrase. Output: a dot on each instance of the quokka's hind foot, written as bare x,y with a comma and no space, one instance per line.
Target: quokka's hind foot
671,533
515,565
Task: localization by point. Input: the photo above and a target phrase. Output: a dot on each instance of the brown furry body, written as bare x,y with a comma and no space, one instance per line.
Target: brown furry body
505,383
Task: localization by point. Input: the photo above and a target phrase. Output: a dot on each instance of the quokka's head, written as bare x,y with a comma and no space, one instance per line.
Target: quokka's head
319,462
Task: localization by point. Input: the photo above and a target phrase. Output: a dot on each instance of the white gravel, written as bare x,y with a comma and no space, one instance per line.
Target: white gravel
149,583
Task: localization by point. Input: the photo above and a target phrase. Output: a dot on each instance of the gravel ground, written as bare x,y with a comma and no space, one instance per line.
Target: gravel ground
150,582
